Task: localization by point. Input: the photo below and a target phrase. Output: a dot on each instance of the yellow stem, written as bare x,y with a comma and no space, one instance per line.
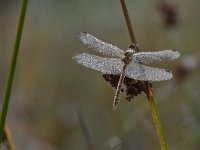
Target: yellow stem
8,138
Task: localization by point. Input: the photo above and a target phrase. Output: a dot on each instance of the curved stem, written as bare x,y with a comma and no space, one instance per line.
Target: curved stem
148,88
12,68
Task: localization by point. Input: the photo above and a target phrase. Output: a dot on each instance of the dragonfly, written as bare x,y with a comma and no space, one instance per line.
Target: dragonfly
126,63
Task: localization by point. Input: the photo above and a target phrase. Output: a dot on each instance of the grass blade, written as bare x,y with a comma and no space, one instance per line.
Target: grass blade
12,68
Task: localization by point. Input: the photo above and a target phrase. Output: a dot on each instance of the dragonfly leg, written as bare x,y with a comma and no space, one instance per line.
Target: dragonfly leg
118,90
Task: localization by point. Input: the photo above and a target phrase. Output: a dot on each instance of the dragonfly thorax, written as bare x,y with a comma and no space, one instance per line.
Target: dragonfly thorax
128,56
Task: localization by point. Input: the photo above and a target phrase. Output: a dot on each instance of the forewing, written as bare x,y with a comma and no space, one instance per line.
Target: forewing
145,73
150,57
104,65
100,46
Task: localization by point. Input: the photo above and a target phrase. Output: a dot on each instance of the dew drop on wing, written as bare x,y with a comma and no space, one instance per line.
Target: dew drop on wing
140,72
100,46
104,65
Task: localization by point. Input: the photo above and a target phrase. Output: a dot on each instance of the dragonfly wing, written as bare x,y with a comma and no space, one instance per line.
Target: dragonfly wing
145,73
104,65
100,46
150,57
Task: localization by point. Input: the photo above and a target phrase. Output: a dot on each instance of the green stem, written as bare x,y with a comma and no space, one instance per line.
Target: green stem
12,67
156,120
157,124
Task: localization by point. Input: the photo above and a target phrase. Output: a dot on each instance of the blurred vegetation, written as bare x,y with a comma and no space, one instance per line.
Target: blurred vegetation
57,104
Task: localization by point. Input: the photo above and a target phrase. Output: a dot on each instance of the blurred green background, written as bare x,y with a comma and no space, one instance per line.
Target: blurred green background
57,104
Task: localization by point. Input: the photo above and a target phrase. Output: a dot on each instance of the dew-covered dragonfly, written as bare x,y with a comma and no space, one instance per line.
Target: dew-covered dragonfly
124,63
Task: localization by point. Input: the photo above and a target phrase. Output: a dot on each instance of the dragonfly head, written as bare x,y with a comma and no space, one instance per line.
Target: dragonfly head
134,46
129,52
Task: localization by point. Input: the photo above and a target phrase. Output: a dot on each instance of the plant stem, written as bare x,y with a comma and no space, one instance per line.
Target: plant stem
12,68
128,22
148,88
155,117
8,138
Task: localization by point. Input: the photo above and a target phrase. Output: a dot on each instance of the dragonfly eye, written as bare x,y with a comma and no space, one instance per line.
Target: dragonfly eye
129,53
134,47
